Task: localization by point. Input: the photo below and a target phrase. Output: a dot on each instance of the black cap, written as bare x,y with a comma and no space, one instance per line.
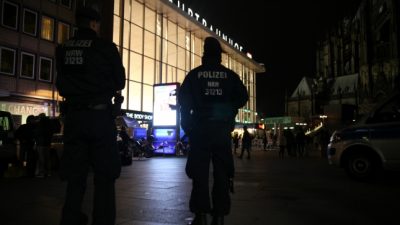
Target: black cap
88,13
212,46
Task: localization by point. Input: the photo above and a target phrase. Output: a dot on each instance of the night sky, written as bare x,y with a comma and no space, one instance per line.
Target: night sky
282,34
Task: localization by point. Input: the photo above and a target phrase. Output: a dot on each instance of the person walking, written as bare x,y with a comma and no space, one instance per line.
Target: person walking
43,134
282,142
209,98
246,142
25,135
90,75
300,141
235,139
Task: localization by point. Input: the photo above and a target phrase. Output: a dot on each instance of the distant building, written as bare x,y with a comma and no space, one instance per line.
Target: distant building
357,64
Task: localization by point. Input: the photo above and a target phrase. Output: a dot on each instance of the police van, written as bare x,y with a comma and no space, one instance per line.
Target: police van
370,145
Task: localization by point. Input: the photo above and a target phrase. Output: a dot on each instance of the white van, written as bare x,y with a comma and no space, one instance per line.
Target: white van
370,145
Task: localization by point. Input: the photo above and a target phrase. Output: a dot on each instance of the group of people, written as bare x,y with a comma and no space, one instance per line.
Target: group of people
90,75
35,138
293,143
246,140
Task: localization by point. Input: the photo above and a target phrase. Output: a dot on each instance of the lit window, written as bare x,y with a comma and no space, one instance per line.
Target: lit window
147,98
27,65
47,32
135,96
29,25
148,70
45,68
7,61
66,3
62,32
10,15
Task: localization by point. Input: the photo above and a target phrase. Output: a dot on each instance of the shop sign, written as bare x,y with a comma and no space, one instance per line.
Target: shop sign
278,120
23,109
203,21
139,116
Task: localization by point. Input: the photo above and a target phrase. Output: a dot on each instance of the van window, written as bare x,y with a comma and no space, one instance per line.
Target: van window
390,112
4,123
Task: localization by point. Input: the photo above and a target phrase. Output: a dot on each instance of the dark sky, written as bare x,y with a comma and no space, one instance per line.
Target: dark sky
282,34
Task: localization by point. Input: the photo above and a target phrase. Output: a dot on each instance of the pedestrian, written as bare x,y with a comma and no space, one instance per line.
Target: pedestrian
235,139
290,142
282,143
25,135
210,97
43,134
246,142
90,75
300,141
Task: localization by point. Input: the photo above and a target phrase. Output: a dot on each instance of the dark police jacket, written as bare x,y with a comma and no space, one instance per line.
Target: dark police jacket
89,69
210,93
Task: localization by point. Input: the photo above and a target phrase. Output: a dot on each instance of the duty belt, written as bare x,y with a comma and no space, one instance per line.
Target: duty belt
89,106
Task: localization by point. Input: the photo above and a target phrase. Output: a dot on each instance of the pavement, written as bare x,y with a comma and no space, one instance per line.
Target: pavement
152,191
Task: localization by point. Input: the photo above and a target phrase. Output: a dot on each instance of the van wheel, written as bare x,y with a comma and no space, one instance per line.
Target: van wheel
360,166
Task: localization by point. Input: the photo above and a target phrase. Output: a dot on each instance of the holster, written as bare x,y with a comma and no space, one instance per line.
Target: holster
63,107
116,106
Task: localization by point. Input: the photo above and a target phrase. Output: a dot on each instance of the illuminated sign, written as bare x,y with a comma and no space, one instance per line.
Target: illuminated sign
165,105
165,140
203,21
139,115
23,109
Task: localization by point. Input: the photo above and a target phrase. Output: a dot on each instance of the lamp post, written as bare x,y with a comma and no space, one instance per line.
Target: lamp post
323,117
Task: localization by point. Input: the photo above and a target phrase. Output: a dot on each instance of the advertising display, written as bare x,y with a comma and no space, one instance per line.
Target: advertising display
139,133
165,105
165,140
165,118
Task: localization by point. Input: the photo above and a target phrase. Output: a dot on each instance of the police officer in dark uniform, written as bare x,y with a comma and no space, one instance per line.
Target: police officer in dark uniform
210,97
89,74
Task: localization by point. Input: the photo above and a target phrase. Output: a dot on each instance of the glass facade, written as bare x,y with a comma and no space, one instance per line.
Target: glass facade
157,50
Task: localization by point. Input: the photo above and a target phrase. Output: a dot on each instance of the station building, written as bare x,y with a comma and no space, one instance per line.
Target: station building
160,41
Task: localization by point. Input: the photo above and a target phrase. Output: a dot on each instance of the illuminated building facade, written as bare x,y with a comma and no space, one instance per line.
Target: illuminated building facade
159,41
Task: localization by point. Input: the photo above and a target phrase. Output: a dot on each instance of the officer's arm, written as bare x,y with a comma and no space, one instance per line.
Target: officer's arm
119,70
185,101
59,62
242,96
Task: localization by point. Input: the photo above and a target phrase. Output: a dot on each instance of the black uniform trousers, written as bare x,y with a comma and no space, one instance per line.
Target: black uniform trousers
210,142
90,141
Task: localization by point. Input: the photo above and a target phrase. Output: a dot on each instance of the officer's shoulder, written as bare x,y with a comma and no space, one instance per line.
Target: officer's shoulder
105,42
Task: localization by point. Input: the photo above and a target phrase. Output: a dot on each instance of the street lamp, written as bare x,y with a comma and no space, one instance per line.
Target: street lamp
323,117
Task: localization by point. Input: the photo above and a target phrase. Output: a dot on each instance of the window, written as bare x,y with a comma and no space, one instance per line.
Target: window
62,32
47,32
66,3
29,25
389,112
27,69
45,68
10,15
7,61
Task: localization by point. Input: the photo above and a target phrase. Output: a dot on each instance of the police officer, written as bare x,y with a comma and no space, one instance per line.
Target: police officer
89,74
210,97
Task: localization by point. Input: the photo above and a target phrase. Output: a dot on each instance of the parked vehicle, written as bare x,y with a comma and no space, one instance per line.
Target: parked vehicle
372,144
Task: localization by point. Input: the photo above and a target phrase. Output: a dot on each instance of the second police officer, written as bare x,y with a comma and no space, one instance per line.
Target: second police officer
210,97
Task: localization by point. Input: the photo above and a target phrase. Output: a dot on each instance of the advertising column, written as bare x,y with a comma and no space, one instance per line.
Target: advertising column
165,118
